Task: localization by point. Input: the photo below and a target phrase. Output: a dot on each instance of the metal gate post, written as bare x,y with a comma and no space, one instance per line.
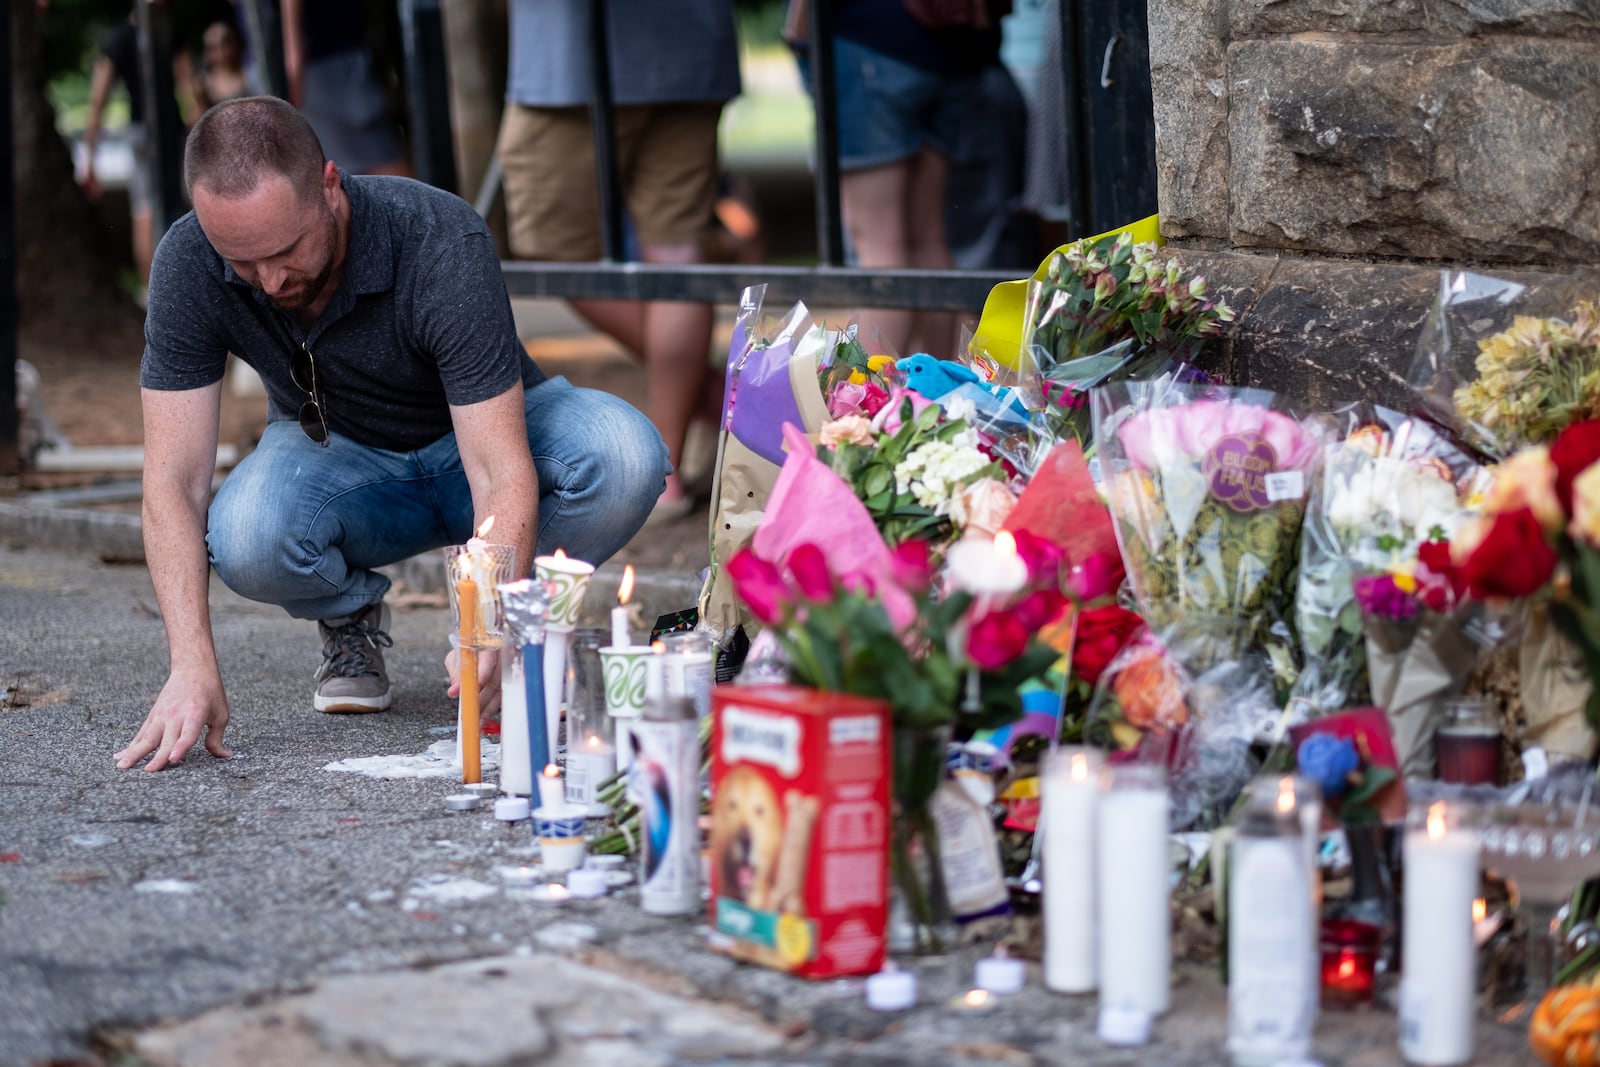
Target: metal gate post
10,458
433,152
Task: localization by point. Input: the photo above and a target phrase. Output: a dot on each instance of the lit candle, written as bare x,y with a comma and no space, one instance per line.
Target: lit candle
1071,793
1439,984
987,568
1349,962
1000,973
1133,867
471,765
552,791
588,765
620,638
1484,925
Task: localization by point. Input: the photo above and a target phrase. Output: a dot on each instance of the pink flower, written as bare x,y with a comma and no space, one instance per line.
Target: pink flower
1185,433
888,420
811,575
1377,594
847,399
1042,557
760,584
1039,609
1098,576
875,398
846,429
996,639
911,565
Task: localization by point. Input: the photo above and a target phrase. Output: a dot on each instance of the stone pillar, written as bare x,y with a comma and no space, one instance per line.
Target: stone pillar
1323,160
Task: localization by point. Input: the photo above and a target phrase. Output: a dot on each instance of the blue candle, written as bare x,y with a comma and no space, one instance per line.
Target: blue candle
533,680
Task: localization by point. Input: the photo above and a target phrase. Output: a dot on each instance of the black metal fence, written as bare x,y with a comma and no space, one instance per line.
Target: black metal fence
1109,138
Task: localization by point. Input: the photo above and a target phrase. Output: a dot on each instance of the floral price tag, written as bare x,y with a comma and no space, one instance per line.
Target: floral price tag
1285,485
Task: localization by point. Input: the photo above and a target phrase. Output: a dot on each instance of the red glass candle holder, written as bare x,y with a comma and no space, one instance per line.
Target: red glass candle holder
1349,962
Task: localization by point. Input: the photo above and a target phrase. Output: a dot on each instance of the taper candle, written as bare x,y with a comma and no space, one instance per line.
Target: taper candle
620,638
471,753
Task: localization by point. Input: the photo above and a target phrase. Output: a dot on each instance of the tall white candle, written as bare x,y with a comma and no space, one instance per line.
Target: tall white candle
620,638
1439,981
1133,884
1071,796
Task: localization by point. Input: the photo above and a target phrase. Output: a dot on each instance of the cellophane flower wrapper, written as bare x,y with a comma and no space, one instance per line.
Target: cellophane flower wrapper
1202,725
764,389
1208,487
1478,344
1389,483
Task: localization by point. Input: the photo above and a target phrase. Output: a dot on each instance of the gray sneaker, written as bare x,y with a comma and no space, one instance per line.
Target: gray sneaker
352,677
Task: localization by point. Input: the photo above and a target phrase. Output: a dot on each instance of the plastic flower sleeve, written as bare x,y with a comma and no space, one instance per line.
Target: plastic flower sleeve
1390,484
758,398
1147,706
1208,488
1504,364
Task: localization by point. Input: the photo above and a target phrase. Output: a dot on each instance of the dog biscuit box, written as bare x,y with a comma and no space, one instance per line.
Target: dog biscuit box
799,845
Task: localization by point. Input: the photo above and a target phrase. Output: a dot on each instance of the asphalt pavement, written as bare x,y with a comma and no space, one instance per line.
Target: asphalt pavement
266,910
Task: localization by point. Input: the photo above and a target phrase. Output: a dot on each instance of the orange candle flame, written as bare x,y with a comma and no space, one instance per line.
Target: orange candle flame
488,524
625,587
559,554
1006,543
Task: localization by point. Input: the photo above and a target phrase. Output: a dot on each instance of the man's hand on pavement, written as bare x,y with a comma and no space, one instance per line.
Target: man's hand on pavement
184,710
488,680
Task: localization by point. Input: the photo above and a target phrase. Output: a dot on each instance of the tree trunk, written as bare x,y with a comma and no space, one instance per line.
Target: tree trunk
66,274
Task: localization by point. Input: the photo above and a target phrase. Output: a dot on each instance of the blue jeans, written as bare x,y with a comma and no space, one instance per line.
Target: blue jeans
303,526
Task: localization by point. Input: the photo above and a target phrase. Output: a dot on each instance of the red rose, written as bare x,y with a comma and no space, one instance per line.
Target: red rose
1102,633
811,575
1575,449
996,639
911,565
1512,560
1441,582
760,585
1039,608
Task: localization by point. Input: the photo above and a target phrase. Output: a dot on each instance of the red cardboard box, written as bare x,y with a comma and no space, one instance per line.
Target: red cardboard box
799,846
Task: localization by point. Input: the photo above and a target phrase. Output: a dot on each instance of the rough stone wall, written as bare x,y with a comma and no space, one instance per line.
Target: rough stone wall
1324,159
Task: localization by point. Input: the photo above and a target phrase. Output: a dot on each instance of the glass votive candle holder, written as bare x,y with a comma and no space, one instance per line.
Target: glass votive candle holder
1350,951
1467,745
488,566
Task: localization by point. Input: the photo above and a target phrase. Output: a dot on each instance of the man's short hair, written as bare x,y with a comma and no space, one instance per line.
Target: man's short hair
236,143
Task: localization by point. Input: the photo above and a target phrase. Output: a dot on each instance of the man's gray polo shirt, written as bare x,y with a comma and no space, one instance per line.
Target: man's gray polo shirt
421,320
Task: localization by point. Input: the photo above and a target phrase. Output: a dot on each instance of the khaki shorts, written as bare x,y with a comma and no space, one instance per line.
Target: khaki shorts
666,169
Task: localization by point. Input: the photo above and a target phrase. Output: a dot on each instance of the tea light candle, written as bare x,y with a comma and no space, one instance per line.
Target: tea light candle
551,893
1349,961
1439,985
1133,862
511,809
987,568
462,802
518,876
586,882
1484,925
973,1002
552,790
891,989
1000,973
1070,789
620,638
482,790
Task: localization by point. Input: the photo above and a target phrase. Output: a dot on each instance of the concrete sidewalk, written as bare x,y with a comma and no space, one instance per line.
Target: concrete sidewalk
263,910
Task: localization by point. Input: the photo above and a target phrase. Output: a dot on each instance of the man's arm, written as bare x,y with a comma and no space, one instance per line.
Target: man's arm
492,437
180,432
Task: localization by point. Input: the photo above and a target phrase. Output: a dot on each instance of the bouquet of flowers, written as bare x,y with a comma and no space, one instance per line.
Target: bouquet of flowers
921,473
1108,309
1539,539
1150,706
1208,489
1506,365
1375,584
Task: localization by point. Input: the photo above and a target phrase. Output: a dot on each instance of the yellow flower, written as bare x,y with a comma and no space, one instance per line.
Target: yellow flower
1527,480
1404,580
857,378
877,363
1586,506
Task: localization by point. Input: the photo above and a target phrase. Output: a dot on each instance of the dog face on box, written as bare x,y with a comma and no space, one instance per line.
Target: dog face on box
799,829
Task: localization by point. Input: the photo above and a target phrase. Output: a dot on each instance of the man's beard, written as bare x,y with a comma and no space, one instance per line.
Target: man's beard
305,294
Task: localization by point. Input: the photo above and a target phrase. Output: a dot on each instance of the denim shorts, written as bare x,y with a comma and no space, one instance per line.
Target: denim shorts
889,110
